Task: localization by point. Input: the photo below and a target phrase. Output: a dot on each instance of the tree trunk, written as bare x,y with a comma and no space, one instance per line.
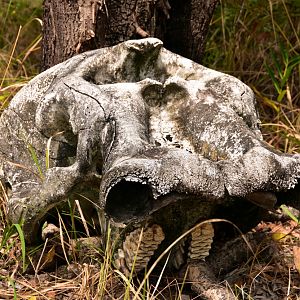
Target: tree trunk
75,26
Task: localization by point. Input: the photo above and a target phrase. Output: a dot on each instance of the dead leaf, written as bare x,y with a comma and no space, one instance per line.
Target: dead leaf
296,252
279,236
51,294
49,257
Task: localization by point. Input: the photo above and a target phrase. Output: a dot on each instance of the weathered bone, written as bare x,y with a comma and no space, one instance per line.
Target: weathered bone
150,128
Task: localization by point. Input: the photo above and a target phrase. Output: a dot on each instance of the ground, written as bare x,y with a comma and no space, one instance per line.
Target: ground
81,270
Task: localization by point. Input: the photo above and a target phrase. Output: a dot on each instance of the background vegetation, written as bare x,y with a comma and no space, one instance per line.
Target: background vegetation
257,41
20,36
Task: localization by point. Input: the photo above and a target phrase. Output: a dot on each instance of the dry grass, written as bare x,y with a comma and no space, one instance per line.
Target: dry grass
20,36
78,272
66,268
252,40
256,41
273,272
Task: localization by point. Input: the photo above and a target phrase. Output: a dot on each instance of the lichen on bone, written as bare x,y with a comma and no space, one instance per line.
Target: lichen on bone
136,128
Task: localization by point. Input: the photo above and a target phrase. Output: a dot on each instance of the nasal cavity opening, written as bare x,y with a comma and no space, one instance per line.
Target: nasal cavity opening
128,200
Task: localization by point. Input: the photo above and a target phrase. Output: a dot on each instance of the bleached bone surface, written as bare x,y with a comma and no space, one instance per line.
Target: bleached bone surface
135,128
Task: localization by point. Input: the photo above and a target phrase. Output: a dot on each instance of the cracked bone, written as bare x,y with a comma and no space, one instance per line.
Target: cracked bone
141,129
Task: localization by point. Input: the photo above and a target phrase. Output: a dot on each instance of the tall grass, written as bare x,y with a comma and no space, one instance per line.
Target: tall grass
259,42
20,36
254,40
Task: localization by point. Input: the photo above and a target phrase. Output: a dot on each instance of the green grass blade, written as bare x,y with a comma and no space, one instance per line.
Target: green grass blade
274,80
23,244
284,54
7,233
281,95
276,64
35,159
7,14
294,61
13,284
289,213
286,76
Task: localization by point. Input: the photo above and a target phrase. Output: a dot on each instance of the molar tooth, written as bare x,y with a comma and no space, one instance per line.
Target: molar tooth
148,247
200,243
202,238
199,249
158,234
198,256
138,250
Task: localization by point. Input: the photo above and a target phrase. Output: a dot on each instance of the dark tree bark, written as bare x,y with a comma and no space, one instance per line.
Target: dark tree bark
75,26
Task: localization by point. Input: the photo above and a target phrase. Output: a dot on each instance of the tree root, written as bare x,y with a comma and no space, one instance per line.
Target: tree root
204,283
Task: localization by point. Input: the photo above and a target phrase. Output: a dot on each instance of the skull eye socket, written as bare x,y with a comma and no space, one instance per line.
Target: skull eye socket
128,200
152,94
